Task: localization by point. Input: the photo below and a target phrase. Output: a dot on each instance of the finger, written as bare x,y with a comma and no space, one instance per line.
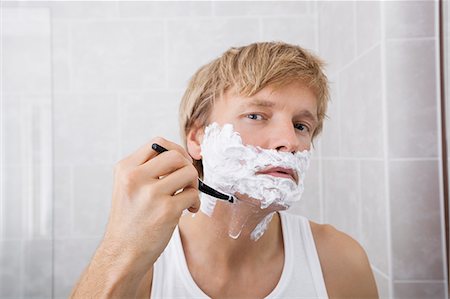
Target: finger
188,199
182,178
164,164
146,153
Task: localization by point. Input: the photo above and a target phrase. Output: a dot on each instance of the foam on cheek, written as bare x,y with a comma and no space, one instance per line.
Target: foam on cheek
230,166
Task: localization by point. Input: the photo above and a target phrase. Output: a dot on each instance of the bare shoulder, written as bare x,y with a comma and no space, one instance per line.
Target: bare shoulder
345,265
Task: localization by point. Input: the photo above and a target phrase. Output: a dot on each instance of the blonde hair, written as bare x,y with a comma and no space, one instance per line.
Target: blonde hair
249,69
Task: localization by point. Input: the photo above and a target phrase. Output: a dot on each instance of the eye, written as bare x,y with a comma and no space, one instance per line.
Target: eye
301,127
255,116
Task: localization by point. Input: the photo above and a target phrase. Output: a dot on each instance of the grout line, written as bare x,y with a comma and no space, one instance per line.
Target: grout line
178,18
320,173
52,147
420,281
166,52
338,104
355,33
320,150
381,273
411,39
413,159
71,198
96,92
316,27
2,152
386,148
69,56
260,28
119,148
346,158
357,57
359,211
441,142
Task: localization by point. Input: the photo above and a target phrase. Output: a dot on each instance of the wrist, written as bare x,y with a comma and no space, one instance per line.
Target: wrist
121,269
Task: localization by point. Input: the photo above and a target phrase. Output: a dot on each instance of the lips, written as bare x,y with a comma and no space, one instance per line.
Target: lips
280,172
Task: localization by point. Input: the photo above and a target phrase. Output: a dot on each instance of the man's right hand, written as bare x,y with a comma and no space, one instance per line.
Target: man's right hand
150,192
146,206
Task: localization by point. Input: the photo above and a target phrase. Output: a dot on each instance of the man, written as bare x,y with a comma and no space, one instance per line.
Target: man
248,120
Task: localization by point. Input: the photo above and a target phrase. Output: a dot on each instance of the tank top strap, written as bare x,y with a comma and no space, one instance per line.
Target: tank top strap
298,234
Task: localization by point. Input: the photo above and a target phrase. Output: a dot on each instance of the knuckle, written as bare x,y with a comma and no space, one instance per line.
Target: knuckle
151,192
176,158
130,180
193,173
168,208
194,193
119,166
158,139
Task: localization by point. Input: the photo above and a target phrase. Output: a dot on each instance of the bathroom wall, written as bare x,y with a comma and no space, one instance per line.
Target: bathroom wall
381,152
86,83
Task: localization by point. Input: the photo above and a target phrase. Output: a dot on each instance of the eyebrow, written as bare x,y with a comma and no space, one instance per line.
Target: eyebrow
309,115
259,103
264,103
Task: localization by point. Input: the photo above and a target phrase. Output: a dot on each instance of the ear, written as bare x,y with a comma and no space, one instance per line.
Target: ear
193,140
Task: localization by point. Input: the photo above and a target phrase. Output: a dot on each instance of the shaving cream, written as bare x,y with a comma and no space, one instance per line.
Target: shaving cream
231,167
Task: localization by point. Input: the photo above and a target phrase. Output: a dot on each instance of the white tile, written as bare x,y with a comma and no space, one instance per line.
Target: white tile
92,195
144,116
374,216
19,154
419,290
382,286
261,8
82,10
361,108
62,201
336,34
71,257
415,220
71,10
14,217
26,134
10,269
297,31
411,99
117,55
38,265
341,198
18,21
309,204
193,43
85,129
12,129
60,56
160,9
368,24
330,138
26,48
405,19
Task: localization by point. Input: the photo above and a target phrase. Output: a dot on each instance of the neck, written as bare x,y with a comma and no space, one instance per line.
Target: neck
225,237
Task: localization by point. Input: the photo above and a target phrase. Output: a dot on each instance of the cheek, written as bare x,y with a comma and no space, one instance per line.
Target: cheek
250,136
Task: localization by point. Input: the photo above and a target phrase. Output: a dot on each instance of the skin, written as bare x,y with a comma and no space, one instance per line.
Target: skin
145,212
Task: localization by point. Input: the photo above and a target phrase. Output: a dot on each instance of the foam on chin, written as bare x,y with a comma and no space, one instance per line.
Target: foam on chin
230,166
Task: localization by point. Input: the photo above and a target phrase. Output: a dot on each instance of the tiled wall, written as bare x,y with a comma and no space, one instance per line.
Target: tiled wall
104,77
380,152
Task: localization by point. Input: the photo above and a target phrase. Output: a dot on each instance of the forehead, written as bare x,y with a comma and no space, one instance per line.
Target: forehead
294,96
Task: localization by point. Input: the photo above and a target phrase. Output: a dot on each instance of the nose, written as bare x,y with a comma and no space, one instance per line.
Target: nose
284,138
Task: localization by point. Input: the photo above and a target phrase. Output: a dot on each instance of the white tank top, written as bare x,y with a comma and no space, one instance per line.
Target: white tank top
301,277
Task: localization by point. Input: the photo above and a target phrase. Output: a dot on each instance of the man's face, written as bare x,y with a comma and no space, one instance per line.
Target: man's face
283,119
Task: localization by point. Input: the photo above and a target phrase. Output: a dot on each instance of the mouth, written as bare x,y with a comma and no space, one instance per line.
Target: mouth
280,172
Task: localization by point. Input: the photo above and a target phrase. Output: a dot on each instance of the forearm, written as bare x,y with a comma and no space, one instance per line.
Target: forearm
112,274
